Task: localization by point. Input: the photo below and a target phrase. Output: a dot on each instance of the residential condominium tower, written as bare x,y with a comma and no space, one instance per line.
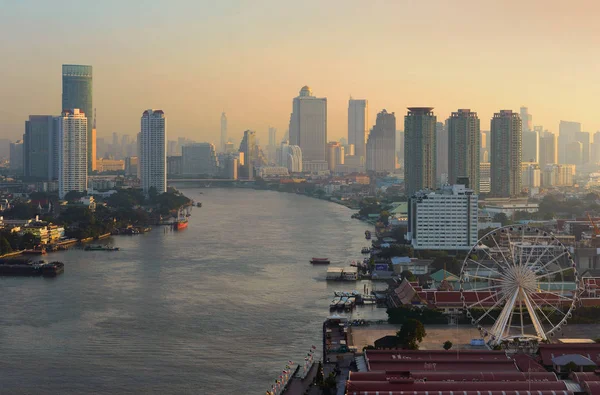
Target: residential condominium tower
38,147
420,150
72,152
77,93
464,135
308,129
223,132
358,125
153,151
381,145
506,155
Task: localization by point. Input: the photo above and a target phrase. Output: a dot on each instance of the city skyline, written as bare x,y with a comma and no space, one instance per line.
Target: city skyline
557,86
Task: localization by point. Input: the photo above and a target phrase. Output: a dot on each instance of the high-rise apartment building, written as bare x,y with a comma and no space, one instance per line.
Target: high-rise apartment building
595,149
548,149
558,175
526,120
574,153
400,147
584,139
420,150
381,144
567,132
485,146
153,151
200,159
484,177
308,129
506,154
445,219
464,134
223,131
77,93
72,152
248,149
335,154
273,145
37,147
16,157
531,175
441,142
530,146
358,125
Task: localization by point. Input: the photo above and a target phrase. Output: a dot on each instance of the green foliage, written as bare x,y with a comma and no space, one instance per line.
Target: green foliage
21,210
411,334
384,217
407,274
399,315
447,345
502,218
28,241
571,367
369,206
74,195
396,250
5,247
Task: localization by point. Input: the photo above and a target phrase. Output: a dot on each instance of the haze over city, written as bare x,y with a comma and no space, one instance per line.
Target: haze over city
196,59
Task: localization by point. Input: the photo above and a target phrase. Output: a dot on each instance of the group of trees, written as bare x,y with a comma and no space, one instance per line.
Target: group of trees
411,334
402,314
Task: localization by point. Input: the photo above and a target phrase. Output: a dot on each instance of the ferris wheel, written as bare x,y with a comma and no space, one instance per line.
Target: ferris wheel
518,282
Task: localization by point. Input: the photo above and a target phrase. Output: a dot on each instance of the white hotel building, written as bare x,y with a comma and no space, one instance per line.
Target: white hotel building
153,151
445,219
72,152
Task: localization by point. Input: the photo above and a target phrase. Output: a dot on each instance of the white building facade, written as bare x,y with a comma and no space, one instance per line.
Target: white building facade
72,152
445,219
291,157
153,151
308,130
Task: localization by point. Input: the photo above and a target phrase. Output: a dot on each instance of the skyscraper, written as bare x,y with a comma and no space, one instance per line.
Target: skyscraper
77,93
273,143
506,155
584,139
153,151
567,131
248,149
381,144
441,138
223,131
93,152
335,154
595,149
37,140
548,149
308,129
72,152
464,133
358,125
199,159
16,157
420,150
526,120
290,157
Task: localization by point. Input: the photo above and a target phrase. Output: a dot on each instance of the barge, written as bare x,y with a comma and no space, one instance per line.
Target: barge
320,261
25,268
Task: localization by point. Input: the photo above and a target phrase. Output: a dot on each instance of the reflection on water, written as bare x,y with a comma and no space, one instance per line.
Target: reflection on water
217,308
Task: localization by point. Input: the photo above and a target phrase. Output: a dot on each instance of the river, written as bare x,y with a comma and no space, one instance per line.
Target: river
218,308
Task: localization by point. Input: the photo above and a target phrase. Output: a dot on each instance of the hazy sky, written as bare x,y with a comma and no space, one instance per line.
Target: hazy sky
194,59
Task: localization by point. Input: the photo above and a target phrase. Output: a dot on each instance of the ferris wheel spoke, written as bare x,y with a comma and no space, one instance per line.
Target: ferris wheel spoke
489,268
486,289
501,252
550,245
534,318
499,279
502,298
550,262
479,302
555,294
564,269
544,302
500,325
537,236
541,310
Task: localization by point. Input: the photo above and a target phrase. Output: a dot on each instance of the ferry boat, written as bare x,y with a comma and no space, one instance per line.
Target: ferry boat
342,303
100,248
320,261
367,235
349,304
180,224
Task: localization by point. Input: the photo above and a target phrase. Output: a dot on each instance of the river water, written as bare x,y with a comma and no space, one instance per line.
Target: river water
218,308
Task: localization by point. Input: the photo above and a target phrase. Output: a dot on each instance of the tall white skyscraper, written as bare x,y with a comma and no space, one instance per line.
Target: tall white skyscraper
358,125
153,151
72,152
308,129
223,131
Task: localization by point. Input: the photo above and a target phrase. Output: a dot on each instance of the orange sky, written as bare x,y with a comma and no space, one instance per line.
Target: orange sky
195,59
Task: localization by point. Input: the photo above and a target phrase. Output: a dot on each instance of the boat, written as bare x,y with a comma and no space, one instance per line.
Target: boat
320,261
342,303
365,250
181,222
334,303
349,304
367,235
100,248
198,204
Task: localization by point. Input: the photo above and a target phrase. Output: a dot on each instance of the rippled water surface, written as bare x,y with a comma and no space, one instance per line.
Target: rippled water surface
218,308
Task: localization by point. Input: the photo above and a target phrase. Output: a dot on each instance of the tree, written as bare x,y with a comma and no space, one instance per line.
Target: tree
407,274
447,345
411,334
5,247
74,195
384,217
502,218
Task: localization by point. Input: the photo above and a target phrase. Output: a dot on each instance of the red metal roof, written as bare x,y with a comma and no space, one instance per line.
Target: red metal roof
453,376
591,387
461,393
437,355
444,366
409,385
527,364
584,376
